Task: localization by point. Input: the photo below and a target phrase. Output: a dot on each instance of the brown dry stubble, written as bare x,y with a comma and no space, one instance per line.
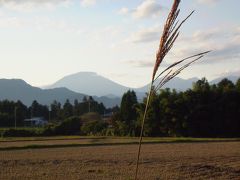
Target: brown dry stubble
159,161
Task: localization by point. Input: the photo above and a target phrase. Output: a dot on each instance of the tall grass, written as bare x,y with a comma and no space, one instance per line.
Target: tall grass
168,38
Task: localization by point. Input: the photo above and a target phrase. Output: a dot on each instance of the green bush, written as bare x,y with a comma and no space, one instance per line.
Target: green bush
70,126
94,128
24,132
48,130
2,131
110,132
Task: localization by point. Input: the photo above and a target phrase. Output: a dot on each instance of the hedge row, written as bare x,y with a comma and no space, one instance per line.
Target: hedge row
70,126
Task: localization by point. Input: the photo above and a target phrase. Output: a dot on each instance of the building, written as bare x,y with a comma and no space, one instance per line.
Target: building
107,118
36,121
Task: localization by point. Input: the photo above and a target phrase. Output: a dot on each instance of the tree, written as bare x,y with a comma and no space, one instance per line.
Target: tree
101,108
67,109
75,108
38,110
7,113
128,110
21,113
55,110
85,99
225,85
201,85
152,122
238,85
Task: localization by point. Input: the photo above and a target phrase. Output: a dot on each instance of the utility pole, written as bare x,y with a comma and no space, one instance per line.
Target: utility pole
31,115
31,112
89,105
49,113
15,116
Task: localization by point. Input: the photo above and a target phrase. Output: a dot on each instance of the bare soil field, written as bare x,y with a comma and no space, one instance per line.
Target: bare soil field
212,160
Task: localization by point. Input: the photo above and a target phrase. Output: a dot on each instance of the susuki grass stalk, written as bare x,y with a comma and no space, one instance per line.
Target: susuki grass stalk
168,38
142,128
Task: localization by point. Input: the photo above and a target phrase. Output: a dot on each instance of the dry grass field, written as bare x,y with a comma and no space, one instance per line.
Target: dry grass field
77,141
202,160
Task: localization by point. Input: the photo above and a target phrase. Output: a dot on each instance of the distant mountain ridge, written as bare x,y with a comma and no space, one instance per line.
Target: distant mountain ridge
102,89
17,89
94,84
176,83
90,83
231,78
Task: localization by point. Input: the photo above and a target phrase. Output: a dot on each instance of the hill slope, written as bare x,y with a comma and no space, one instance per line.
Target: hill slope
16,89
176,83
90,83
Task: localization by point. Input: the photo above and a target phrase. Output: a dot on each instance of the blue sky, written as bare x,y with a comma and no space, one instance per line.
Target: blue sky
42,41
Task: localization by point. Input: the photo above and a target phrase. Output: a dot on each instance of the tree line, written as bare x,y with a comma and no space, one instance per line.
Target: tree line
56,112
203,111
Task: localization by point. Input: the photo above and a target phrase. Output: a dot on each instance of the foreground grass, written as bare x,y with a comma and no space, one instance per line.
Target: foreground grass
83,141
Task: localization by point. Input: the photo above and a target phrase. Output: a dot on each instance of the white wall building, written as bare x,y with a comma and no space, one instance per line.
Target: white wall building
36,121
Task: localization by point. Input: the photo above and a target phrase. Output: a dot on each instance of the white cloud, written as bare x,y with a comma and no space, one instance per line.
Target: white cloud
229,72
30,5
211,2
146,35
39,24
140,63
12,22
46,23
144,63
87,3
224,43
123,11
148,8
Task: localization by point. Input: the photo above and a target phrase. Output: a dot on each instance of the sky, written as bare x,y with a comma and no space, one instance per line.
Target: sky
42,41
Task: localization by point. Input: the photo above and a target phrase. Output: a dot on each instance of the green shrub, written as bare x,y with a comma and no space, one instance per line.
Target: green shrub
110,132
21,132
94,128
70,126
91,116
48,130
1,132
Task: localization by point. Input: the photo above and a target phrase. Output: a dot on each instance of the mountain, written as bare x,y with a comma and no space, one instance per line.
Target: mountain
102,89
94,84
231,78
108,101
176,83
184,84
90,83
16,89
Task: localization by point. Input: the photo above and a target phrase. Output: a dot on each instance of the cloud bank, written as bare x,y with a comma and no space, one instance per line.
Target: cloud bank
148,8
31,5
